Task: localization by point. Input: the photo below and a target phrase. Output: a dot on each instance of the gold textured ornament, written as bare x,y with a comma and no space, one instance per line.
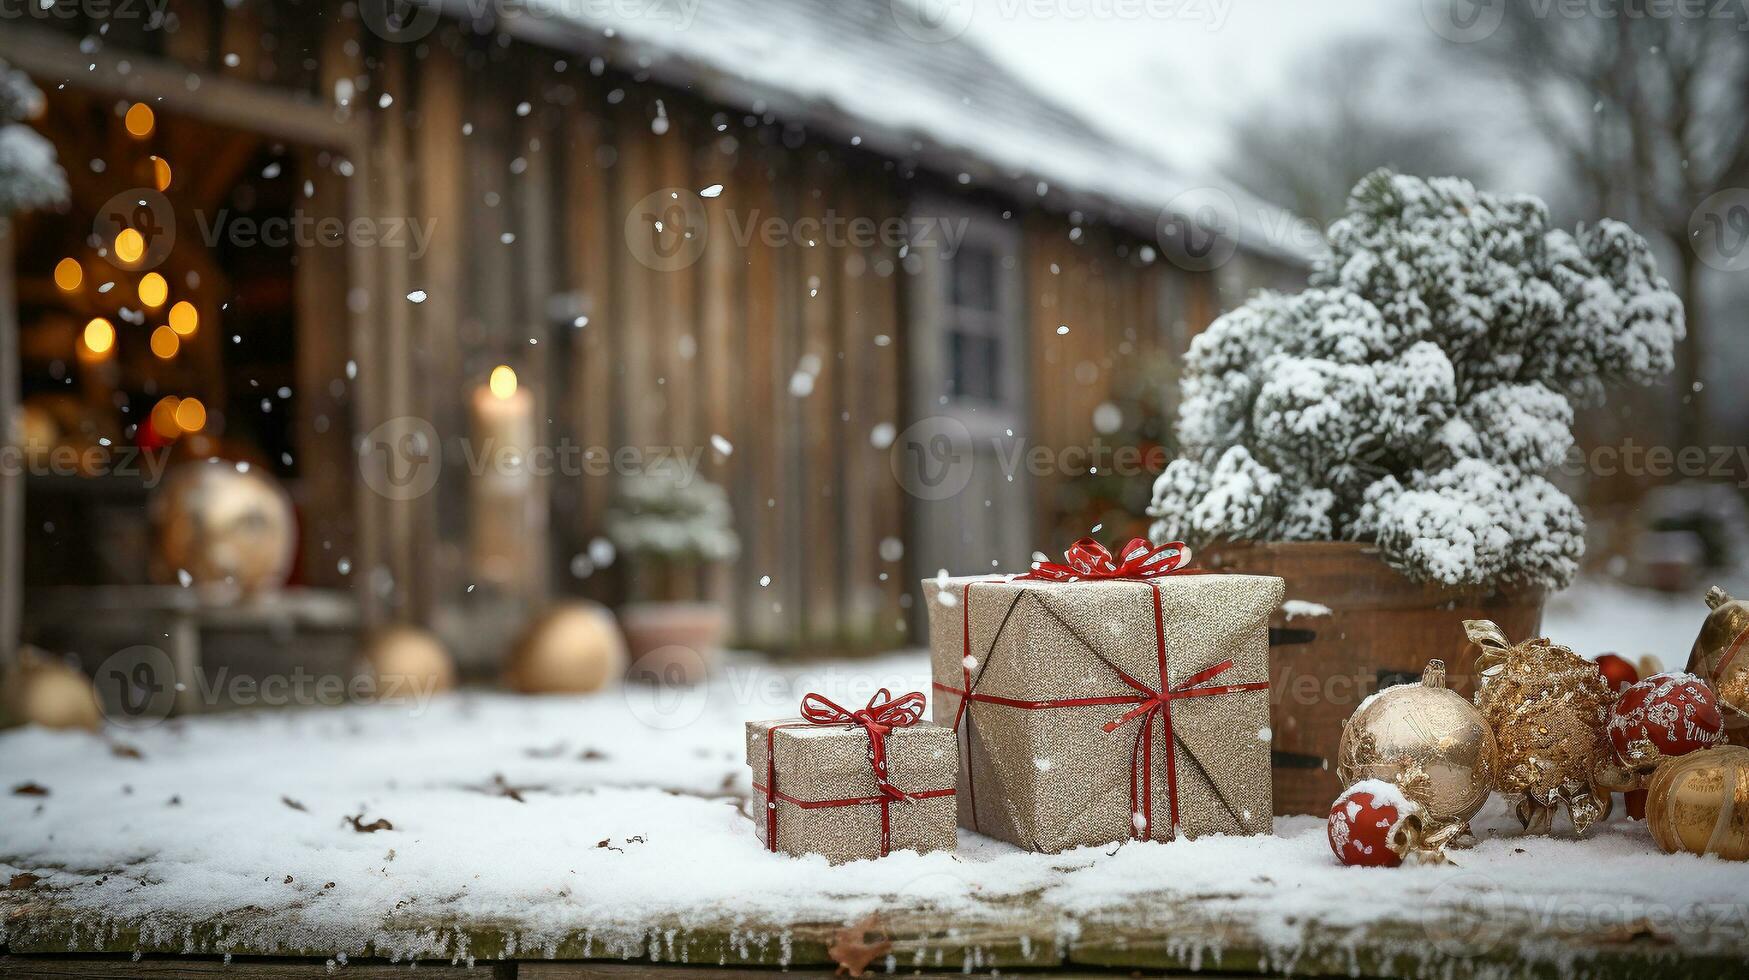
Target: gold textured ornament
43,690
223,523
1549,709
1699,803
1432,744
573,649
1721,656
408,663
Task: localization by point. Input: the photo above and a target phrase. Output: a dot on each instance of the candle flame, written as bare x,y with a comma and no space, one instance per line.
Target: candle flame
503,382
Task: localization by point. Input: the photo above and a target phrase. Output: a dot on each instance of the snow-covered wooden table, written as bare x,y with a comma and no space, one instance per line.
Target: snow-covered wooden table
611,828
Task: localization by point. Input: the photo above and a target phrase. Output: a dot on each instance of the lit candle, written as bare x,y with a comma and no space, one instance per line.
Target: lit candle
502,483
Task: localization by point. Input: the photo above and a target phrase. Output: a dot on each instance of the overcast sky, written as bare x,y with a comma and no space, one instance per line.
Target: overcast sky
1166,73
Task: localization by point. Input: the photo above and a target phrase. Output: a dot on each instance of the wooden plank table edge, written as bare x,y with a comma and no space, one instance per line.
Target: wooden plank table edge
921,945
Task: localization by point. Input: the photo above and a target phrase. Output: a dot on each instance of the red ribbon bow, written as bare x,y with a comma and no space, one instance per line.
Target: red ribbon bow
1088,559
883,714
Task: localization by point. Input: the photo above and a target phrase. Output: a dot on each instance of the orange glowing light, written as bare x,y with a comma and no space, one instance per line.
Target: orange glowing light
184,319
161,173
165,343
140,120
69,274
153,290
191,415
99,336
164,417
503,381
130,245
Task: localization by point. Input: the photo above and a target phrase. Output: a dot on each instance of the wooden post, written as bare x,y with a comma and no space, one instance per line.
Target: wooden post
11,472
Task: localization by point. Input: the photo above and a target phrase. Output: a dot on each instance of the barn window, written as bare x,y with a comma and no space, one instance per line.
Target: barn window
974,327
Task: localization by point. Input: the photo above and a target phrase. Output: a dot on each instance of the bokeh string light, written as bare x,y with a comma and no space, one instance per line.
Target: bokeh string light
69,274
184,318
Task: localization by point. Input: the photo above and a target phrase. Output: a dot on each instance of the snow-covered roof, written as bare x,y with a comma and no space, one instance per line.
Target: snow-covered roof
910,88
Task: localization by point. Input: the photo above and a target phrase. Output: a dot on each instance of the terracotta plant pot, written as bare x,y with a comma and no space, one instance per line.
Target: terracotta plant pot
672,642
1380,629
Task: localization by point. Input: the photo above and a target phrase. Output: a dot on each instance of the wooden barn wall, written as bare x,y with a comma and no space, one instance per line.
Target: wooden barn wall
531,233
528,212
1120,302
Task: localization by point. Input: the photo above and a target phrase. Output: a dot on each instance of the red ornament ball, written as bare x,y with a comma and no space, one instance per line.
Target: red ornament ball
1617,671
1373,825
1675,712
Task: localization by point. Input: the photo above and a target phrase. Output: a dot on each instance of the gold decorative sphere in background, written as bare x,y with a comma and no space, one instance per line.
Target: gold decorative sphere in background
1721,655
42,690
223,522
408,663
573,648
1699,803
1431,743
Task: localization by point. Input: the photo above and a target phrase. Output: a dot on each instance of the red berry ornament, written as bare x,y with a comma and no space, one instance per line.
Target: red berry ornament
1674,713
1617,671
1373,825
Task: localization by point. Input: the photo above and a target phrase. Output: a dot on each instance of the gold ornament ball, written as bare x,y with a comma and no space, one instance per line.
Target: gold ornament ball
573,648
1428,741
41,690
1721,655
1699,803
1549,710
224,522
408,663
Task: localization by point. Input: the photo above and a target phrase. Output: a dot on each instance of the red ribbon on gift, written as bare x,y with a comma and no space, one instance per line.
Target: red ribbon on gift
1087,560
883,714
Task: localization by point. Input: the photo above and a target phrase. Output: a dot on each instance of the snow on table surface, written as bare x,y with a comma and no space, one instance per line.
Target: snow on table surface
203,823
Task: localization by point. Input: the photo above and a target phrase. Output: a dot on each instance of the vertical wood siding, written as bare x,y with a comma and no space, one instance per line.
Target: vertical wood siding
529,214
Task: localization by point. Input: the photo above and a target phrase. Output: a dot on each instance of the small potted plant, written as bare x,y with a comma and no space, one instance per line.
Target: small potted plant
1379,440
669,524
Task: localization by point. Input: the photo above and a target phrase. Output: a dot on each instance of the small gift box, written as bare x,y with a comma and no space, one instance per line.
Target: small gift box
1106,699
854,784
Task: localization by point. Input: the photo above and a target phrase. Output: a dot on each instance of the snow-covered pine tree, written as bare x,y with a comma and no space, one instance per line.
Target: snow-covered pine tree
669,516
29,176
1414,395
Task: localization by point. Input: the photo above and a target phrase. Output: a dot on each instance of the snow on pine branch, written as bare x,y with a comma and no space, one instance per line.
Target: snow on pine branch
29,176
1414,394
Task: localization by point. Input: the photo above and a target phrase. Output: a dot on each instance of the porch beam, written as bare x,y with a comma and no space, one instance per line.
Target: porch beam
53,58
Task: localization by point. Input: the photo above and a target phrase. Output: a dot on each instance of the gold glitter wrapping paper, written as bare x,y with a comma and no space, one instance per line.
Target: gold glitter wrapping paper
831,762
1051,779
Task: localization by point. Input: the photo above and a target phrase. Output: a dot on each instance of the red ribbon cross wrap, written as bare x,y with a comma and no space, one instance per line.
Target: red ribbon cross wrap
883,714
1088,560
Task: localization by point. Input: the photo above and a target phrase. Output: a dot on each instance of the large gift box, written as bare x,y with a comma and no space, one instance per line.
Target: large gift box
854,784
1108,699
